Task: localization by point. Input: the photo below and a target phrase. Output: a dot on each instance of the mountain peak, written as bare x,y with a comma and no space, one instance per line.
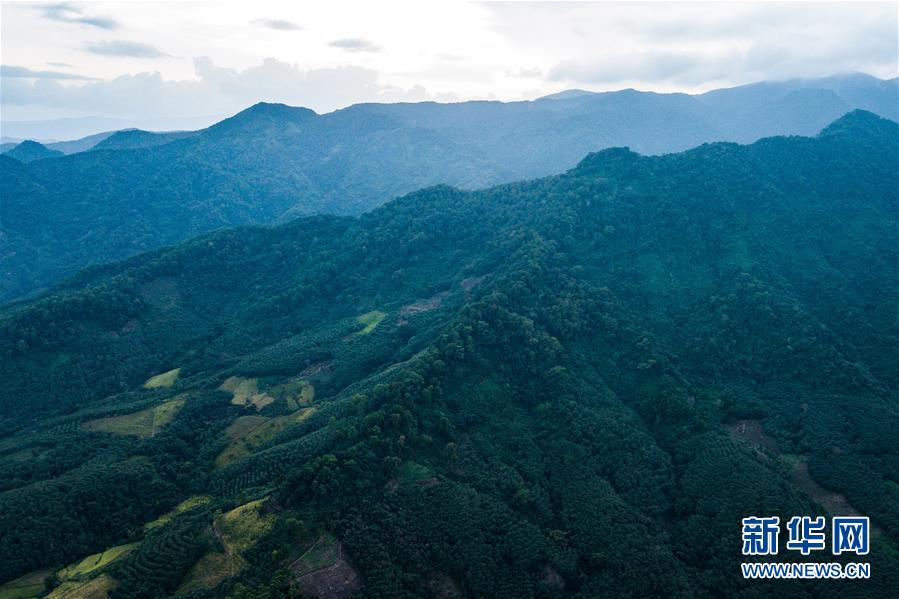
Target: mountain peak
30,150
597,163
264,114
567,94
275,110
860,120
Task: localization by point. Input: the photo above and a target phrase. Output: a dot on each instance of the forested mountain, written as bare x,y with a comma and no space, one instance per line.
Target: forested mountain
570,386
30,150
130,139
134,192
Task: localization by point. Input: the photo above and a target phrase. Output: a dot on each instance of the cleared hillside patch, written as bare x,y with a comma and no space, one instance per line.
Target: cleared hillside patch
142,424
371,320
96,561
240,528
210,570
324,552
246,391
166,379
185,506
325,571
295,393
249,432
237,530
30,585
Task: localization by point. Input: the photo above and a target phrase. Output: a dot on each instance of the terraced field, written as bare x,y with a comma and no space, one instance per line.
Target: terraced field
96,588
210,570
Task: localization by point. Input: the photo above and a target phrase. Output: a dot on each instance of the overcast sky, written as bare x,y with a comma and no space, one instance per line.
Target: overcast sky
139,60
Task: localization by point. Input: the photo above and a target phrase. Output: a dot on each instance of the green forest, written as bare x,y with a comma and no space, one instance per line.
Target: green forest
572,386
119,194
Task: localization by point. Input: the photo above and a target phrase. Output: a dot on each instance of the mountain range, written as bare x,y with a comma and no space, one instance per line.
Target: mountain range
574,385
132,191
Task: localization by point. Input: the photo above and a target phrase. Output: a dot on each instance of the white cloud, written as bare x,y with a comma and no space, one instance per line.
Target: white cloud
695,46
277,24
124,48
22,72
215,90
354,44
69,12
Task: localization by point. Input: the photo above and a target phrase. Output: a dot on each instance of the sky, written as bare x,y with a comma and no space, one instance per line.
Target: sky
199,61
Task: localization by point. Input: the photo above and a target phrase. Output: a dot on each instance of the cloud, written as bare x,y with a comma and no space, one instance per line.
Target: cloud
277,24
764,57
124,48
698,45
59,64
68,12
24,72
355,44
215,90
674,67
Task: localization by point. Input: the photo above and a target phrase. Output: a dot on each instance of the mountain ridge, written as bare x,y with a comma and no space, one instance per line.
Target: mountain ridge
272,162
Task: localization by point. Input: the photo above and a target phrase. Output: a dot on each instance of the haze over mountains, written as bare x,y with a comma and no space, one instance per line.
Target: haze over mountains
133,190
568,386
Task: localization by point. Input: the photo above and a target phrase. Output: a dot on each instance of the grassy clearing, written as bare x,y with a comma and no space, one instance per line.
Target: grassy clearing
324,552
142,424
249,432
96,588
210,570
185,506
96,561
166,379
30,585
243,426
371,320
246,391
240,528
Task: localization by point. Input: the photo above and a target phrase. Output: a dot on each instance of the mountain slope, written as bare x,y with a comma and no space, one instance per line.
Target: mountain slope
521,391
80,145
273,162
130,139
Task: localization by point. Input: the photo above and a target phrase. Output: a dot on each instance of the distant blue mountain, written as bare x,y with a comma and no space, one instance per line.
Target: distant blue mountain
29,150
